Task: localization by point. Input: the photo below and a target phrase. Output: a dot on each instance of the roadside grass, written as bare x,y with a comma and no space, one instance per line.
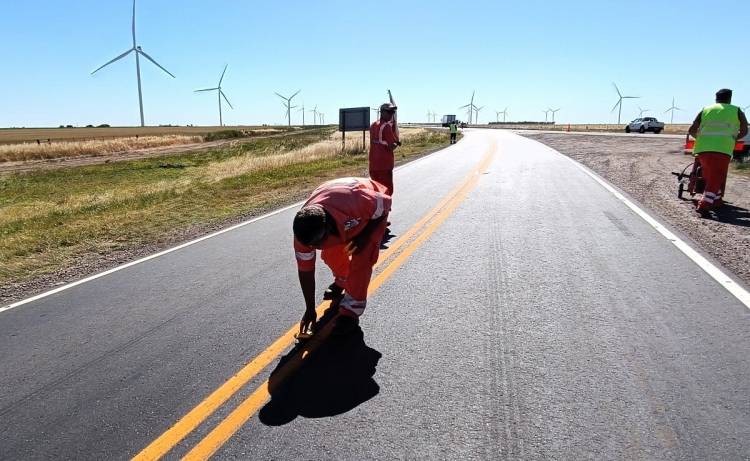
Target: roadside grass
34,151
52,219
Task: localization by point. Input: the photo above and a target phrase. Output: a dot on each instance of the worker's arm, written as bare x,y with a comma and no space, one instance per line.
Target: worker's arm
389,136
743,125
693,130
307,283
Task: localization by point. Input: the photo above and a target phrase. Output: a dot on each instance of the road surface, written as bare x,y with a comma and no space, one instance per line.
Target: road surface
523,311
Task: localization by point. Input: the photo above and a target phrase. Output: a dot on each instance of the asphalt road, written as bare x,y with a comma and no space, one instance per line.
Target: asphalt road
533,316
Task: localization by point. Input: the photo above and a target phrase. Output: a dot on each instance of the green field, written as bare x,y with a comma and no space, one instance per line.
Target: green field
52,219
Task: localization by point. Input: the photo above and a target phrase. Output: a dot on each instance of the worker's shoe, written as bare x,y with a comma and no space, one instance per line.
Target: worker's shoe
333,292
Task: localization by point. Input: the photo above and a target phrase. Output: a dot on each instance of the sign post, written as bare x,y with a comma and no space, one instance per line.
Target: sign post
354,119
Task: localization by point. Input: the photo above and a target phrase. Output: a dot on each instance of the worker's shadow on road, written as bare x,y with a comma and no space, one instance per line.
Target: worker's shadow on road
335,378
731,214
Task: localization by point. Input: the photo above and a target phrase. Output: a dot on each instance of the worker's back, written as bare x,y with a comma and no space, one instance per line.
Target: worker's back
720,123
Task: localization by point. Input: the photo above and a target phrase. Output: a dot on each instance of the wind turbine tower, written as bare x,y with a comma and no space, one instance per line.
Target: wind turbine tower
219,94
315,114
303,113
288,104
477,110
641,111
619,102
672,109
554,111
546,114
470,107
138,52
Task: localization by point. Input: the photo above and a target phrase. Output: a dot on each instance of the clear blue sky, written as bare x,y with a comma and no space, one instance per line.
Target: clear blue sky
526,55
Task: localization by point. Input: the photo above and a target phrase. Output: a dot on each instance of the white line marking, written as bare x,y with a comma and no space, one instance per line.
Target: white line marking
138,261
169,250
717,274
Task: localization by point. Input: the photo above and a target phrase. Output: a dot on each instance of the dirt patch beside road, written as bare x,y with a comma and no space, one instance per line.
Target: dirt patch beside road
641,167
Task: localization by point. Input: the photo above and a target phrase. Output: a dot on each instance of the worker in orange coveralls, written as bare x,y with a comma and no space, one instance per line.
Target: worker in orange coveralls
346,219
383,141
716,129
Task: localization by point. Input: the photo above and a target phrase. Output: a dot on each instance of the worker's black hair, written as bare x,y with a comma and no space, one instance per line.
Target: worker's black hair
724,95
309,224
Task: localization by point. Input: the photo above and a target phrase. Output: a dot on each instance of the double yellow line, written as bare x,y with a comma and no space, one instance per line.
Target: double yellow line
395,257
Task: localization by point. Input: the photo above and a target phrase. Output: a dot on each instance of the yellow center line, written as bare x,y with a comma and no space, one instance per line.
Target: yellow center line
234,421
172,436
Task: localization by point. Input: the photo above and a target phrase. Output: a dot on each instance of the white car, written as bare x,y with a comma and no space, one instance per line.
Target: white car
642,125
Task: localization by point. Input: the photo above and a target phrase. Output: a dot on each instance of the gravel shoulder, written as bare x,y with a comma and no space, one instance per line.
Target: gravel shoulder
642,166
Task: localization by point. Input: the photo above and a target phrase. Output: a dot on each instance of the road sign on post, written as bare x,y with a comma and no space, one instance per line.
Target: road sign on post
354,119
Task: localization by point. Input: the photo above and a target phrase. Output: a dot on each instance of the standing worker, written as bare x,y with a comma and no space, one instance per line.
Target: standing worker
716,130
346,219
454,131
383,141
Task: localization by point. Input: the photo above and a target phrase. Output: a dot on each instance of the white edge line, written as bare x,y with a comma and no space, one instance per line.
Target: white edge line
717,274
169,250
138,261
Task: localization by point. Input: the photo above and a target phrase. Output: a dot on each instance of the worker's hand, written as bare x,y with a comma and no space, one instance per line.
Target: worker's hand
394,145
308,321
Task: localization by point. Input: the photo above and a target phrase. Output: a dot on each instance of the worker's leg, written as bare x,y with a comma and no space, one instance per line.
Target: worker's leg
339,262
714,166
384,177
360,271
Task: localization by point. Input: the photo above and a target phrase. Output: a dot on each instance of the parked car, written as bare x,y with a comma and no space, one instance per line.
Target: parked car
645,124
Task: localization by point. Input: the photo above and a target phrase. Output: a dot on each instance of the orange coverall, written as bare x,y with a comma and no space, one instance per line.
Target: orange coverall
352,202
382,137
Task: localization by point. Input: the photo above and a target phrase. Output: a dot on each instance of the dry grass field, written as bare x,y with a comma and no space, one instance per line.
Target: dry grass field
21,135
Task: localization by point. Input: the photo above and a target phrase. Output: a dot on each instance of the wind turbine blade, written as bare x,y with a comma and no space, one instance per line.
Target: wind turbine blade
617,89
277,94
630,97
133,24
222,74
616,104
677,108
467,105
205,89
472,95
156,63
295,94
110,62
225,98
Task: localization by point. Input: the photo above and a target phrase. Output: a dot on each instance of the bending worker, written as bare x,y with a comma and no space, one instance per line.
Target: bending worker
716,129
346,219
383,141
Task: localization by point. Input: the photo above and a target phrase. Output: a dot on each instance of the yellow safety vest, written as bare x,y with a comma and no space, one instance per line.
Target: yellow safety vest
720,124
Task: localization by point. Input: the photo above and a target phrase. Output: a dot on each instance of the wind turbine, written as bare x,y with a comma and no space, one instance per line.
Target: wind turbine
220,94
477,110
504,112
321,115
553,114
641,111
315,114
470,107
303,113
138,52
546,113
288,104
672,109
619,102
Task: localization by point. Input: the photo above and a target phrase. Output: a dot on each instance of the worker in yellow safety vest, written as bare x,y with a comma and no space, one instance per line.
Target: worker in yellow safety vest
453,127
716,129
